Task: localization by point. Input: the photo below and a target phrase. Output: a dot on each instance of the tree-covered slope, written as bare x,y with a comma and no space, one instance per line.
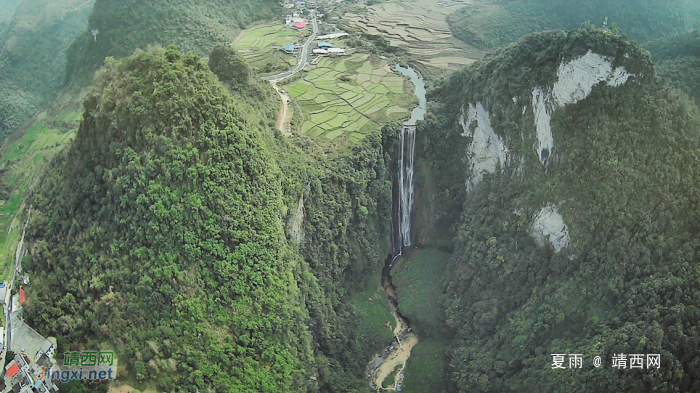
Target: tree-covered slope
211,252
573,170
33,55
120,27
497,23
161,225
677,59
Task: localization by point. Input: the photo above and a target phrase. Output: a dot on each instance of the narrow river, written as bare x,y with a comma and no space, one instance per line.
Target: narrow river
386,370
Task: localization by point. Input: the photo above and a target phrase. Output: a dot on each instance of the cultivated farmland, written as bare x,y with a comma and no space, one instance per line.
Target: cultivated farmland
421,28
260,46
351,97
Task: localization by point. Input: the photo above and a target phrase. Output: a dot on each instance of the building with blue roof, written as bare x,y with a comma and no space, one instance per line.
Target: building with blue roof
289,48
325,45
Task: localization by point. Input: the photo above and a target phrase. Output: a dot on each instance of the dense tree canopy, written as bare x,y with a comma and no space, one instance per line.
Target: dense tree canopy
677,59
164,230
625,180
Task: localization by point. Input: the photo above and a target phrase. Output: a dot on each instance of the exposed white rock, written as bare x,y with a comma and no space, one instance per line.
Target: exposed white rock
575,79
618,77
549,227
487,149
543,116
296,223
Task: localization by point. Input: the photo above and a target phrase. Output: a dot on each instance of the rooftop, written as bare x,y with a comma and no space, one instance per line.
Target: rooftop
25,339
13,369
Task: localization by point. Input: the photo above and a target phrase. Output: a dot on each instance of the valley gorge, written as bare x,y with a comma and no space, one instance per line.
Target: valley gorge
406,212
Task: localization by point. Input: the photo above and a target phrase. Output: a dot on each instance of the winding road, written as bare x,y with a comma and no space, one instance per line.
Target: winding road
303,59
285,114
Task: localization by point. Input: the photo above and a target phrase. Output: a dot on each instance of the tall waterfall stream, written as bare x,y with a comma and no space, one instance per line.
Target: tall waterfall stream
397,353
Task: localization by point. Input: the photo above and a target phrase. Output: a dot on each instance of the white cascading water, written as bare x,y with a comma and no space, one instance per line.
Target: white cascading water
405,180
408,144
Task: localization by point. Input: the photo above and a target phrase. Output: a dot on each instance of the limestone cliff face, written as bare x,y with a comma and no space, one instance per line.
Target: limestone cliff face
549,228
486,150
490,147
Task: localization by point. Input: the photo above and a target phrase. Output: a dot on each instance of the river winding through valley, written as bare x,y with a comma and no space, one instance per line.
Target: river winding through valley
392,360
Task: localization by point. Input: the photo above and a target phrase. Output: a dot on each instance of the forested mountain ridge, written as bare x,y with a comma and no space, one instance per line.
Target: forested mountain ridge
497,23
33,48
170,231
117,28
677,59
573,170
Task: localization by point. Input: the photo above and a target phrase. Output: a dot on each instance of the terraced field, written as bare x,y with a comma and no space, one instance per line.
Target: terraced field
351,97
420,26
20,161
260,44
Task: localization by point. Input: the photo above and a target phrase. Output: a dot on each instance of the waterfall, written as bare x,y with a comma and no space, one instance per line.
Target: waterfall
408,145
403,185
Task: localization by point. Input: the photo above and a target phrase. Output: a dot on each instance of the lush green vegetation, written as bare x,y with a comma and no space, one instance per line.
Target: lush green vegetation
377,323
161,146
497,23
418,282
20,163
418,278
677,59
260,46
33,56
121,27
625,181
160,232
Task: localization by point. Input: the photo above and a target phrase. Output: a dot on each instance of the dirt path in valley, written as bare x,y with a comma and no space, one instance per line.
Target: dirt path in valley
284,117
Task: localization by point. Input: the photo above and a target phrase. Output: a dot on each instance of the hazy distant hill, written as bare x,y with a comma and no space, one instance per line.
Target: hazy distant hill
33,55
677,59
7,8
120,27
494,23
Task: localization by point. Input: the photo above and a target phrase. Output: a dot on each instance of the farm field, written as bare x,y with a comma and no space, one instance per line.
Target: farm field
260,44
20,162
351,97
421,28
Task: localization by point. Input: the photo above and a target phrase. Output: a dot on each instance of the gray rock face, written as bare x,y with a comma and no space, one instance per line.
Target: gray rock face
487,149
575,81
549,228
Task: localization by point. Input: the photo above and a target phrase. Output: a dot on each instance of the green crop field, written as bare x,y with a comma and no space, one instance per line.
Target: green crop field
260,46
20,162
348,98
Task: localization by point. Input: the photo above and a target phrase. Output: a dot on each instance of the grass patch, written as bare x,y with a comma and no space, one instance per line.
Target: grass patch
260,46
376,321
418,281
425,369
